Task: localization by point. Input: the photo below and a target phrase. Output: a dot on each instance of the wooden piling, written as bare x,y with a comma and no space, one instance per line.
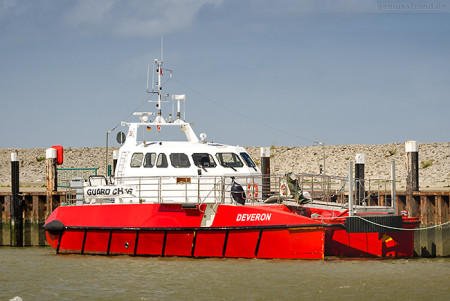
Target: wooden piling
16,204
51,180
412,166
412,178
37,220
6,221
34,212
359,178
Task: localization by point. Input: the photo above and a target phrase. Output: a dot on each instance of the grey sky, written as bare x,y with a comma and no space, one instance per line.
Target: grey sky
256,73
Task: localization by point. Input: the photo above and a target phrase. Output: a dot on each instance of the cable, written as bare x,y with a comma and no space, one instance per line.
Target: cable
395,228
242,115
135,110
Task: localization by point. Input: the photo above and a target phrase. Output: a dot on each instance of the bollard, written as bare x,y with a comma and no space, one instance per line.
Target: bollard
412,178
350,189
265,170
412,166
394,203
51,179
16,208
359,178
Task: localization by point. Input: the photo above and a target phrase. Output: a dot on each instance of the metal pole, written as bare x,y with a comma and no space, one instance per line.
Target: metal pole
323,176
393,188
350,188
323,145
106,165
323,148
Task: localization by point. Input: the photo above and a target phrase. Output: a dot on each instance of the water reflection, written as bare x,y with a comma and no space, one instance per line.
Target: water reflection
38,273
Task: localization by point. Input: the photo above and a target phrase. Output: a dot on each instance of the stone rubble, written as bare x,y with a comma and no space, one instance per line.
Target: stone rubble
434,162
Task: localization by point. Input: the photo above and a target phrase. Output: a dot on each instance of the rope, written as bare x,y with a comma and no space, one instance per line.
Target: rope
395,228
140,106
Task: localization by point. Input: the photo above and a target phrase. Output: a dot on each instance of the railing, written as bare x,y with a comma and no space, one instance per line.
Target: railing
65,175
320,189
180,189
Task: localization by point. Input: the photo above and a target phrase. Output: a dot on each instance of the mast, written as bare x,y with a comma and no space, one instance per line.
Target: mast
143,116
159,118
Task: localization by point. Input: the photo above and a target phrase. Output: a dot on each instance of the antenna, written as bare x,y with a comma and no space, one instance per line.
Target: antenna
162,47
179,98
158,69
153,78
148,75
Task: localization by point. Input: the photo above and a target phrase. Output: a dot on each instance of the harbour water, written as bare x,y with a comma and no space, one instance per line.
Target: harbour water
37,273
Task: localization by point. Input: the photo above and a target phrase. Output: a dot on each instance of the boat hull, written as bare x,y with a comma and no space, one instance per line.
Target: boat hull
170,230
396,244
264,231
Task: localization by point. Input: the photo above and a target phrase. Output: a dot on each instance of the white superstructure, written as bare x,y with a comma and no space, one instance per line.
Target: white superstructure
147,165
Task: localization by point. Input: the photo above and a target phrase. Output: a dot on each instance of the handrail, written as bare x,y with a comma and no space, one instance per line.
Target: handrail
214,189
65,175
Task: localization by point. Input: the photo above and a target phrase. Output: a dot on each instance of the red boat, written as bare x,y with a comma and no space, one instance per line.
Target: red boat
201,199
267,231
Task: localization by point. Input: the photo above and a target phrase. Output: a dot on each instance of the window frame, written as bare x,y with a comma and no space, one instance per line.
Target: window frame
178,159
200,165
164,156
153,164
219,157
248,160
134,160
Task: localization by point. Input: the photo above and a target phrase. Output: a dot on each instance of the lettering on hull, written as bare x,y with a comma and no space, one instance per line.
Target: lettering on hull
105,191
253,217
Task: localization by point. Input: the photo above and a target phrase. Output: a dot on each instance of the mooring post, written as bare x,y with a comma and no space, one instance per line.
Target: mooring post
51,179
265,170
359,178
350,188
412,166
16,208
412,178
394,204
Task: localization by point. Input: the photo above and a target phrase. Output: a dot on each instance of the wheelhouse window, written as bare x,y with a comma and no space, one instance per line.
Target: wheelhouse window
229,160
203,160
136,159
149,160
162,161
179,160
248,160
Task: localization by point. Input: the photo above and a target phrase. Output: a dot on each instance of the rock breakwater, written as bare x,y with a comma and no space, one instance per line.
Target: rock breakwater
434,162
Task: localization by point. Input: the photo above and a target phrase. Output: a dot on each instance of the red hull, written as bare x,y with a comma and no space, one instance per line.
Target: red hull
390,244
271,231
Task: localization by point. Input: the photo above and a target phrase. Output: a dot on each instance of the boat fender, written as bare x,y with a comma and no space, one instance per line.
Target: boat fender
54,227
283,189
238,193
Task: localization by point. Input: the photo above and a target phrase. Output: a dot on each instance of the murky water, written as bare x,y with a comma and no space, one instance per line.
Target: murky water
37,273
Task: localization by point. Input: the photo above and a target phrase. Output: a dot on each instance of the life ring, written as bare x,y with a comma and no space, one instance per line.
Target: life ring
252,190
283,189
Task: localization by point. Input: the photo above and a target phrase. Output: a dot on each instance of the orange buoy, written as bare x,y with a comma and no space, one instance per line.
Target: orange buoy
252,190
